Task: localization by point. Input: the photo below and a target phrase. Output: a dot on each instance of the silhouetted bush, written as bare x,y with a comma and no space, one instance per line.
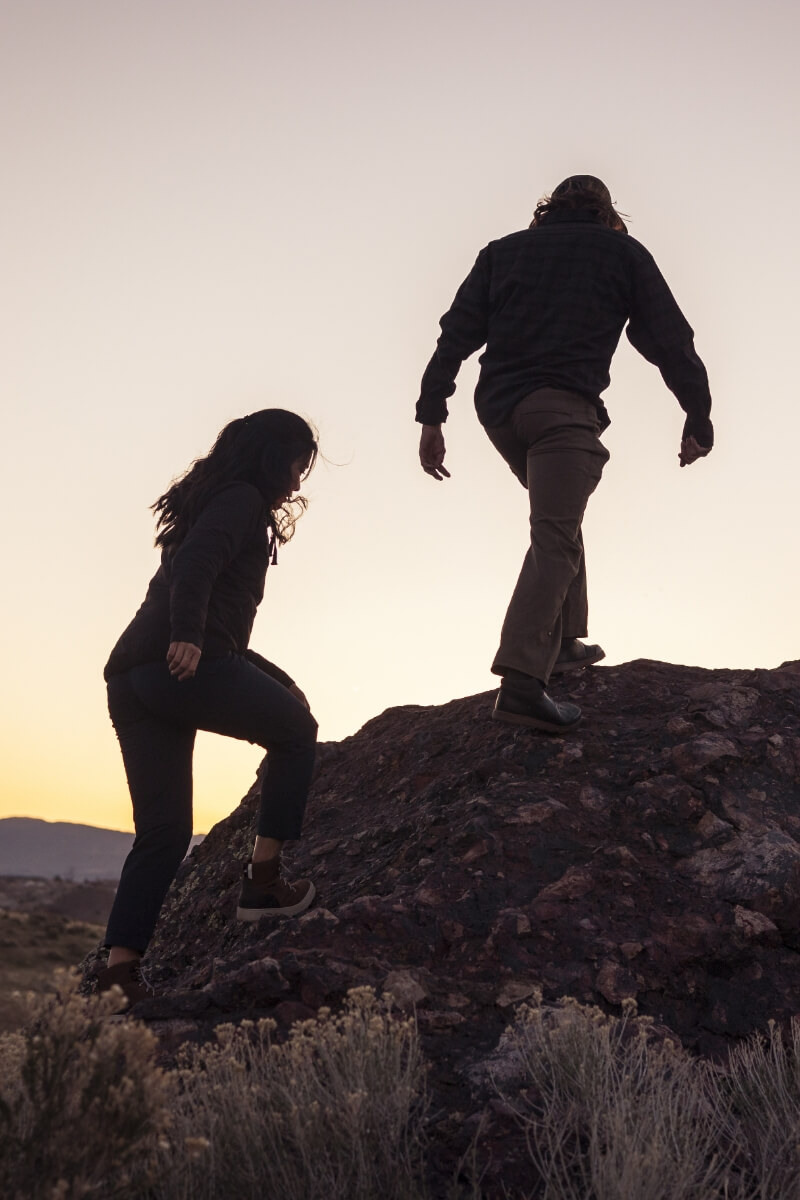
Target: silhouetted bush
82,1101
335,1111
611,1108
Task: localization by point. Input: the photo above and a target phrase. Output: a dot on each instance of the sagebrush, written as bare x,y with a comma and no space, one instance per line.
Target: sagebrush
611,1109
82,1100
614,1110
335,1111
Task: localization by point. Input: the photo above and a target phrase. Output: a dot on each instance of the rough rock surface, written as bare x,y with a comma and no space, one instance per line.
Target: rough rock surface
462,863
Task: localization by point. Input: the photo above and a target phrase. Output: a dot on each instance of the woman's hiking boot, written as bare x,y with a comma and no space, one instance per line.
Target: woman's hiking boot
265,892
127,976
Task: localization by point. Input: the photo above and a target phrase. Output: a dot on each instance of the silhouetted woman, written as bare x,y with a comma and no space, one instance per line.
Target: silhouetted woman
183,664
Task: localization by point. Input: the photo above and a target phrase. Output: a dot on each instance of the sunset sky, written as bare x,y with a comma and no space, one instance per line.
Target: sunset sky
211,207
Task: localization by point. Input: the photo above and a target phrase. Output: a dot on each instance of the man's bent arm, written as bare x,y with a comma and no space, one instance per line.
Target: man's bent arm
662,335
432,451
464,330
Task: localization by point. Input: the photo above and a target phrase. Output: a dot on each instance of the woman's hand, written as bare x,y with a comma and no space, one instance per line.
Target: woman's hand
182,659
295,690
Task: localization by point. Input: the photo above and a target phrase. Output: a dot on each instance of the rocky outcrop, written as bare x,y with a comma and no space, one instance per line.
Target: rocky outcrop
653,854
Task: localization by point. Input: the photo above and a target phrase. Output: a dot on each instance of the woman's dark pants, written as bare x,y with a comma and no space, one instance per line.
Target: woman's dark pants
156,718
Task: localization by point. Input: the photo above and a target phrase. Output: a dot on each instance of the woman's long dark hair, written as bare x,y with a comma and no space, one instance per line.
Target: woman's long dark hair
259,449
580,191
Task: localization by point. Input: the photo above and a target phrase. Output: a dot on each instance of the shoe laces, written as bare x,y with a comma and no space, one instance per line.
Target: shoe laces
281,877
138,976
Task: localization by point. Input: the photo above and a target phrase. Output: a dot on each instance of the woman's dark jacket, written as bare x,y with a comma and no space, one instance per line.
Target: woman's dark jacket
207,589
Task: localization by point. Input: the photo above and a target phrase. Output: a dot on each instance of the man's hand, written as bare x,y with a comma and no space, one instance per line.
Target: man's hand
691,450
431,452
295,690
182,659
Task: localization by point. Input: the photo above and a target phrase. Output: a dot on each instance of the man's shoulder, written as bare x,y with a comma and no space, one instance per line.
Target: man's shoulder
558,232
506,248
634,248
518,237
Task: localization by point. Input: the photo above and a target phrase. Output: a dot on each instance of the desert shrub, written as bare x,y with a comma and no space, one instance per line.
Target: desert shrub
333,1112
81,1099
762,1079
612,1112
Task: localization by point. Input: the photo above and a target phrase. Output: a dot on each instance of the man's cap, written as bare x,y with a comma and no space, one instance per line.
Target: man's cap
584,183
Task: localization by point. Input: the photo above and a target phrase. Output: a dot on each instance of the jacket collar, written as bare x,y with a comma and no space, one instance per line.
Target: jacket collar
571,215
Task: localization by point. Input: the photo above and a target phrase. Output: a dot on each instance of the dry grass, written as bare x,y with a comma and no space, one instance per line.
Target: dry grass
612,1112
763,1083
81,1100
333,1112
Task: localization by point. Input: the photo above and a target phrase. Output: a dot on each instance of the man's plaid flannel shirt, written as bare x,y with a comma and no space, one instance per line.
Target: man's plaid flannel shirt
550,304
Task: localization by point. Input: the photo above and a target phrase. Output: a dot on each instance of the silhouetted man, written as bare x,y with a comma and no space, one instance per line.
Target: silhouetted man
550,303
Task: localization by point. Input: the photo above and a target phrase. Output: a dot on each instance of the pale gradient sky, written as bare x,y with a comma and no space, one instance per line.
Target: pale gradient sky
210,207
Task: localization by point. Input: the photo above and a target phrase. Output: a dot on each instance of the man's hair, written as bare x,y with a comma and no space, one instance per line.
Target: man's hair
580,192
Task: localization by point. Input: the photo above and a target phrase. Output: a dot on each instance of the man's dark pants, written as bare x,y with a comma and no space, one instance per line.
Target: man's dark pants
552,444
155,718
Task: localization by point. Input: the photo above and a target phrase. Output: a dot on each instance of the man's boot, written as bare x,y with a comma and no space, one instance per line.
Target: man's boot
575,654
523,700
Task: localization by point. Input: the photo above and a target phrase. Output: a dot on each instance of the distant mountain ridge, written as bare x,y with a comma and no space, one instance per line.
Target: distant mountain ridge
32,847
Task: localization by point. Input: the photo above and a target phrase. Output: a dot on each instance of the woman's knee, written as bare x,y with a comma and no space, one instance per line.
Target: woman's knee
307,729
297,734
168,841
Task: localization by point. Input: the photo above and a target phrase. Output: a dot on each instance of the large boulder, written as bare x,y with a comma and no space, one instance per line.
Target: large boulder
653,854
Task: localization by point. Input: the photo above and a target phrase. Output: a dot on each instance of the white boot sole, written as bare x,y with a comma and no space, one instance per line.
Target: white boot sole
255,914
